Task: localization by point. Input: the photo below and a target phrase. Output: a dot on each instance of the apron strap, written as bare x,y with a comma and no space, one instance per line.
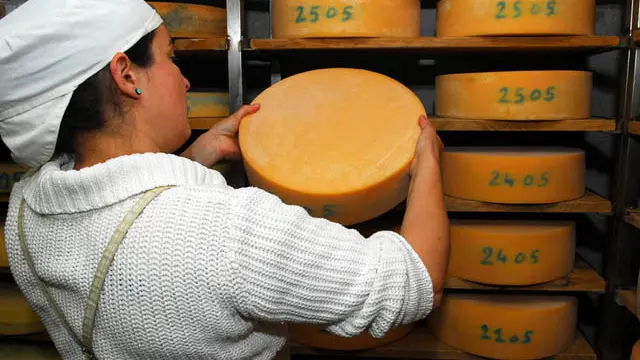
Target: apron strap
91,308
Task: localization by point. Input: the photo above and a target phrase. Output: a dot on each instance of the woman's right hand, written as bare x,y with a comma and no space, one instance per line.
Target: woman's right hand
428,148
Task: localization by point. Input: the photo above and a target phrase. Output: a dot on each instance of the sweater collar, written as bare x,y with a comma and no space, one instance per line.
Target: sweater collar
56,188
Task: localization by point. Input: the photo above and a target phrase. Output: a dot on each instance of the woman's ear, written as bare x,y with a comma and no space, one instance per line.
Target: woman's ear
123,75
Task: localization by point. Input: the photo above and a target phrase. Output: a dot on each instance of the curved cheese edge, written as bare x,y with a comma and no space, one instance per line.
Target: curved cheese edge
514,95
518,327
511,252
514,175
190,20
339,142
527,17
345,18
16,315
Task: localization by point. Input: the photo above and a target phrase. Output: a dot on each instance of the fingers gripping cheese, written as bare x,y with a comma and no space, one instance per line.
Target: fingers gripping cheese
515,95
192,21
515,17
512,252
509,326
345,18
513,175
339,142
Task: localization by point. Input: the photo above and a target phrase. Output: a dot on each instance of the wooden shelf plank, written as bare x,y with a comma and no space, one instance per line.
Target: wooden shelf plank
628,298
589,203
632,217
594,124
203,123
634,127
209,44
583,279
448,44
4,198
421,344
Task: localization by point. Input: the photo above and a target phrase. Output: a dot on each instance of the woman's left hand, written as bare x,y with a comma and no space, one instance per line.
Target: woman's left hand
221,141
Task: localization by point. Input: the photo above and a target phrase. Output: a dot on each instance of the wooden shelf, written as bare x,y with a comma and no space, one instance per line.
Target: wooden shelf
634,127
446,44
421,344
583,279
595,124
203,123
632,217
4,198
628,299
209,44
589,203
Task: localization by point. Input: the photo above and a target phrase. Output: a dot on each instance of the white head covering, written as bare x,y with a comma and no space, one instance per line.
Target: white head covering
47,49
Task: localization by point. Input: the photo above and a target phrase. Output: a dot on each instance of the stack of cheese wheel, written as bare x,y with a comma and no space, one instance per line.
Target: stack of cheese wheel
192,21
506,326
514,175
16,316
345,18
514,95
28,351
538,17
338,142
511,252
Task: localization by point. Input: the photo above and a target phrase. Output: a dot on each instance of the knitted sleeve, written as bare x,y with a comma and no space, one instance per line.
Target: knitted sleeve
289,266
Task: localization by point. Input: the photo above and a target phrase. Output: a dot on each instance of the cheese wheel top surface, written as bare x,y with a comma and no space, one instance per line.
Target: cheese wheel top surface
340,130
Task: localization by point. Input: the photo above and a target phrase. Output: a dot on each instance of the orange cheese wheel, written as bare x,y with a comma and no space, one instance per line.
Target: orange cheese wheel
28,351
515,17
635,351
514,252
10,174
192,21
207,104
514,175
316,337
16,316
514,95
339,142
506,326
345,18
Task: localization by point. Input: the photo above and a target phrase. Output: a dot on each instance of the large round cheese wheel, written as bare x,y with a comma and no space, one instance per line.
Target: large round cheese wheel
515,17
192,21
339,142
514,175
514,95
506,326
207,104
345,18
316,337
16,316
511,252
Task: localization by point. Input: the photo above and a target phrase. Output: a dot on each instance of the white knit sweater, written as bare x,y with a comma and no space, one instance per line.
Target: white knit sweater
207,271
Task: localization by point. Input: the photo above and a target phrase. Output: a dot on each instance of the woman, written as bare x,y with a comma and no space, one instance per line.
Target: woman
129,252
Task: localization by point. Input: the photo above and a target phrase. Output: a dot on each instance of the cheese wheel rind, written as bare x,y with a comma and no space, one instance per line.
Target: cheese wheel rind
16,315
518,327
338,142
512,175
190,20
345,18
515,95
515,17
314,336
207,104
511,252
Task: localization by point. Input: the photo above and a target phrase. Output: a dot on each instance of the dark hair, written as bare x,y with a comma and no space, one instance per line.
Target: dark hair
96,98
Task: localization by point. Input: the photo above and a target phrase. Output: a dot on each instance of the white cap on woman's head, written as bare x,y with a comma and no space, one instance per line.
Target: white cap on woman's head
47,49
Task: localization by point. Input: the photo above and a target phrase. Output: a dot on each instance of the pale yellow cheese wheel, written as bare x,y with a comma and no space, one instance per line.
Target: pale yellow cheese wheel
191,20
508,326
339,142
345,18
16,315
515,17
514,95
511,252
514,175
